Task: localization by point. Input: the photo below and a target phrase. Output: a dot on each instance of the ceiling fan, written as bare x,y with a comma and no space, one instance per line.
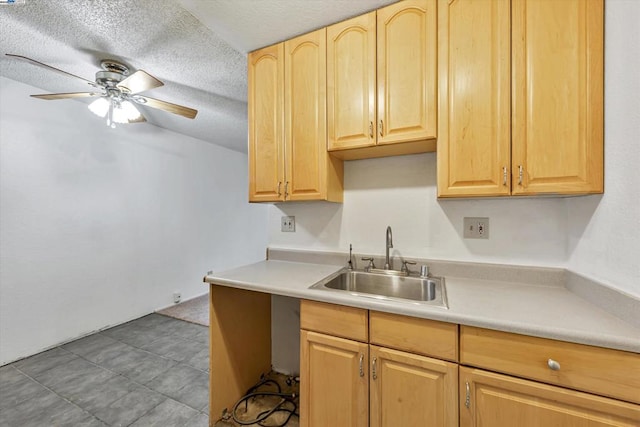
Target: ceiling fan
116,92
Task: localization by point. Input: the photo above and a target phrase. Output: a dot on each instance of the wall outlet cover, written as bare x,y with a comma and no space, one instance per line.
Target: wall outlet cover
475,227
288,224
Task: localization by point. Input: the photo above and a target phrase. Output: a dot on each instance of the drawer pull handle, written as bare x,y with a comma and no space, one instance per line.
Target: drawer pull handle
553,365
362,365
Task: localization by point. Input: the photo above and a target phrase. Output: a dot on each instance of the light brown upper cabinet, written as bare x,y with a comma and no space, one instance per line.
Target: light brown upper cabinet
288,159
266,124
520,97
381,82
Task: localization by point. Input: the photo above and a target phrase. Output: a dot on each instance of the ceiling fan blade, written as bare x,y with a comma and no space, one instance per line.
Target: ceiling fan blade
187,112
40,64
139,82
51,96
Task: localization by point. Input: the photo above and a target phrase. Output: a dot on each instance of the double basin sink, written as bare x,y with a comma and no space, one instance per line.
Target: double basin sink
388,285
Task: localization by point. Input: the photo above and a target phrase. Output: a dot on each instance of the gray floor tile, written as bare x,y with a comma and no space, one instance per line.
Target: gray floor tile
138,365
38,411
103,355
199,360
42,362
9,375
73,372
75,417
151,320
200,420
130,407
182,329
174,348
90,345
167,414
103,379
18,389
135,334
94,396
202,336
184,384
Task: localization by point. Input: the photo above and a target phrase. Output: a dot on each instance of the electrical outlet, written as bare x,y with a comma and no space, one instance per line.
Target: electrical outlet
177,296
288,224
476,227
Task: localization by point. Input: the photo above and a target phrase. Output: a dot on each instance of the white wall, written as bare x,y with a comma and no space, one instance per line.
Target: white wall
401,192
99,226
593,235
604,232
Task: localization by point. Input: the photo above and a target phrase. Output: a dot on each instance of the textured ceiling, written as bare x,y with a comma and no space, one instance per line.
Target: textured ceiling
196,47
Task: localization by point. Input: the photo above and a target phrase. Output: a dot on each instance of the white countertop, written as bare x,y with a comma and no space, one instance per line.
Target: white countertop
536,310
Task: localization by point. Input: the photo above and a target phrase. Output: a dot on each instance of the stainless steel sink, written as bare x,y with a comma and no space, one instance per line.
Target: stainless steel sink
417,290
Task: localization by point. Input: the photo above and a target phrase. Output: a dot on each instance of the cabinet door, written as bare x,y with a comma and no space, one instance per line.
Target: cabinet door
406,44
474,126
334,378
557,96
412,391
498,400
351,82
266,138
305,116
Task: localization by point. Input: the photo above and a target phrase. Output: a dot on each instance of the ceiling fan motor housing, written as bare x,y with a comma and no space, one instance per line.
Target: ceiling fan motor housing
114,72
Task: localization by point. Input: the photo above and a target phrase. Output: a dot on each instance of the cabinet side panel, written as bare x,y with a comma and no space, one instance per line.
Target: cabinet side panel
240,344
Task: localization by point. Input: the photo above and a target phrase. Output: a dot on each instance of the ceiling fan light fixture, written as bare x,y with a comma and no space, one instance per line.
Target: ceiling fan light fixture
125,112
99,107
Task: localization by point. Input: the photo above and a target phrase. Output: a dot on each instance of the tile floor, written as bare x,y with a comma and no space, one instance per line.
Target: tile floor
153,371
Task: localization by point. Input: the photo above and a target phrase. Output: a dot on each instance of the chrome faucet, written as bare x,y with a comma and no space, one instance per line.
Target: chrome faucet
387,263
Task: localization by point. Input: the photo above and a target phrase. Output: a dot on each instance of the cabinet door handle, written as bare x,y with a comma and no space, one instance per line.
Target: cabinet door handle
370,129
553,365
286,189
504,176
374,370
380,127
520,174
279,192
362,365
467,400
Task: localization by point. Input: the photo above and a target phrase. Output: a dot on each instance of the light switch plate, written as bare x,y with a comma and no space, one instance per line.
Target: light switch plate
288,224
476,227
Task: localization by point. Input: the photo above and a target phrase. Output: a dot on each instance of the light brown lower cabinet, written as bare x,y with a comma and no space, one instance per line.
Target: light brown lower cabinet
496,400
334,385
362,368
411,390
348,383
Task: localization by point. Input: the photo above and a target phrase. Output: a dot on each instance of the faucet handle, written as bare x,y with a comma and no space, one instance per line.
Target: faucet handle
404,268
370,265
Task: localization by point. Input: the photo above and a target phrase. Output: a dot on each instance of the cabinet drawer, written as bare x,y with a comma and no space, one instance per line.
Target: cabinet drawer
332,319
597,370
422,336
